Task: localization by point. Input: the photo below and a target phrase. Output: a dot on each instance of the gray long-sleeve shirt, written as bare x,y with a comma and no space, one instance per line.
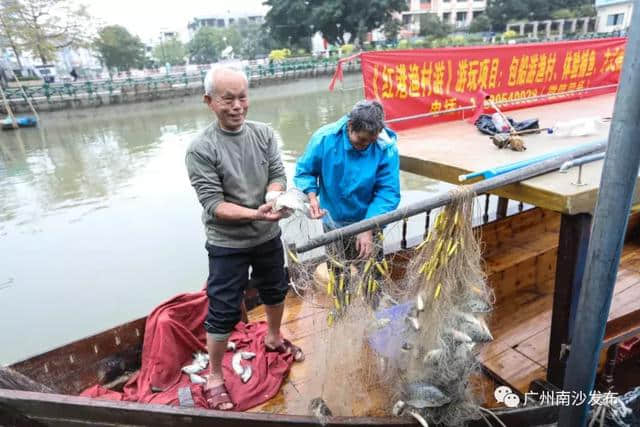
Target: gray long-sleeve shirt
235,167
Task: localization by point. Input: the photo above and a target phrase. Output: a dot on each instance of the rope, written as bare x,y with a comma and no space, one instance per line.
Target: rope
419,418
502,424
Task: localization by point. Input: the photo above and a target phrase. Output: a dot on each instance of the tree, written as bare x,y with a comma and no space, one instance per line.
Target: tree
500,12
480,23
10,28
203,47
208,43
254,41
563,14
289,20
119,48
171,51
392,28
49,25
299,19
431,25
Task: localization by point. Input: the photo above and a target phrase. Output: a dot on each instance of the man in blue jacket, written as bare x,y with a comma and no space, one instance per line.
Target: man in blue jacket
352,165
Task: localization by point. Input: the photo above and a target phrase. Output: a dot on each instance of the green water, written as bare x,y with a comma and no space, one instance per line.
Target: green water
98,222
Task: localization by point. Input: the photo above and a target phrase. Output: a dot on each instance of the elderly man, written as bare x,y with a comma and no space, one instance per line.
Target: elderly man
353,166
234,166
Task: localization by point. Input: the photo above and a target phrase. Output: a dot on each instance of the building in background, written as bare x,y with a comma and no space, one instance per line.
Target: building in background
225,19
613,15
457,13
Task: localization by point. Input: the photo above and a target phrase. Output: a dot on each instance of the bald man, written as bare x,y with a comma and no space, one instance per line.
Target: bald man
235,167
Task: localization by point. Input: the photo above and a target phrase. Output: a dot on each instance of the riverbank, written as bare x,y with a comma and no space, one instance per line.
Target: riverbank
96,94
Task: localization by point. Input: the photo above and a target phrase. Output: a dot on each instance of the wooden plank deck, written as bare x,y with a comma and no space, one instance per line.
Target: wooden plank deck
446,150
521,325
520,256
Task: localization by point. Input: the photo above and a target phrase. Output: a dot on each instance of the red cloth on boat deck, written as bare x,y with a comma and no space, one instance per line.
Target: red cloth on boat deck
173,332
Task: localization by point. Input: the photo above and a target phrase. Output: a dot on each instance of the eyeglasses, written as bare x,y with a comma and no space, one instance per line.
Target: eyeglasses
229,100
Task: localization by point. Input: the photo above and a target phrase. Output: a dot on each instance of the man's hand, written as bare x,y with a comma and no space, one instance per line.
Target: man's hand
364,244
265,213
314,206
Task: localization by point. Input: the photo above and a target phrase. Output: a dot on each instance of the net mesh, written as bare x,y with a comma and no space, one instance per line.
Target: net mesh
395,340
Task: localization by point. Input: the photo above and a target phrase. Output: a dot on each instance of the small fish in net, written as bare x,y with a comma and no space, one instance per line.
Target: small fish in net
406,346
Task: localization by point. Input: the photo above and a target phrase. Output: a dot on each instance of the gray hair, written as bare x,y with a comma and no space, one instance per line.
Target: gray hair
209,78
367,116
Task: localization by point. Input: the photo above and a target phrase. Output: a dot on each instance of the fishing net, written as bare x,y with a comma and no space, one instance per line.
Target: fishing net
395,336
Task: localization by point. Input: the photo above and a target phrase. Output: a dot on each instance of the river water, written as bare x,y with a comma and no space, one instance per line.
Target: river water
98,222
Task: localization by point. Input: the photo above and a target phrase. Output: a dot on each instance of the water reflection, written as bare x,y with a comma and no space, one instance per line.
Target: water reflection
98,222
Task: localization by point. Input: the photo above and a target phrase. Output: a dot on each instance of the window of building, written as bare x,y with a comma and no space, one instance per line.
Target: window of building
424,4
220,23
476,13
615,19
461,1
231,21
406,19
446,17
461,16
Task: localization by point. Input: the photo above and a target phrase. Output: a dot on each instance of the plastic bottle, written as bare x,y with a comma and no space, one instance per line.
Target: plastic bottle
500,124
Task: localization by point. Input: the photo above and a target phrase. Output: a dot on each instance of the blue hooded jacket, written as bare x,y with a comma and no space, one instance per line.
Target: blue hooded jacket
352,185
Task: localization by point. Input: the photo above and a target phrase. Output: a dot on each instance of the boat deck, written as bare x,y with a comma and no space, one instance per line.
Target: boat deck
520,257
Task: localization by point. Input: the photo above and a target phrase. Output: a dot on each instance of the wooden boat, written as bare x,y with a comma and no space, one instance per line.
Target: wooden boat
22,121
76,366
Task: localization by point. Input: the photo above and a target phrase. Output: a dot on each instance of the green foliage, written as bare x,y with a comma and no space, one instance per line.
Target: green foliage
346,49
419,43
10,27
119,48
510,34
254,41
431,25
279,54
403,44
502,11
208,43
294,21
480,23
171,51
563,14
44,26
203,47
391,29
585,10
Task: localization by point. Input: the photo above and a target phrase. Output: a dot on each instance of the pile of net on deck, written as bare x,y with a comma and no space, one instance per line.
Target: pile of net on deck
404,345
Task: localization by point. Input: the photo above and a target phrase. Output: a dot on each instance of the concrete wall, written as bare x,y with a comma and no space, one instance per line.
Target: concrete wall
605,11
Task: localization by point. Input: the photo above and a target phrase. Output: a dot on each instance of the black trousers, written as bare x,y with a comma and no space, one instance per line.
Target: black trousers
229,277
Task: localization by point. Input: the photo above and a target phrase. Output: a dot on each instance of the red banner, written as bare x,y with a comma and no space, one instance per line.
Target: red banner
420,81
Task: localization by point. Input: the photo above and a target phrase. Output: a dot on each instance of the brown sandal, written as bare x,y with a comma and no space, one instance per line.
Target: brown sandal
287,347
216,397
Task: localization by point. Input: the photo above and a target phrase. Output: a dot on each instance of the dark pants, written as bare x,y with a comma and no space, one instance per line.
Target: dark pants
229,277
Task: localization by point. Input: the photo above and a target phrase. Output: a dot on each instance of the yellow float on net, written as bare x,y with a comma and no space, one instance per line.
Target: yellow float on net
293,257
341,282
367,266
437,292
453,249
330,319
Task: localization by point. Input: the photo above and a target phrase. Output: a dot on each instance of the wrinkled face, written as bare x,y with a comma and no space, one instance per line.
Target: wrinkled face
362,139
230,101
